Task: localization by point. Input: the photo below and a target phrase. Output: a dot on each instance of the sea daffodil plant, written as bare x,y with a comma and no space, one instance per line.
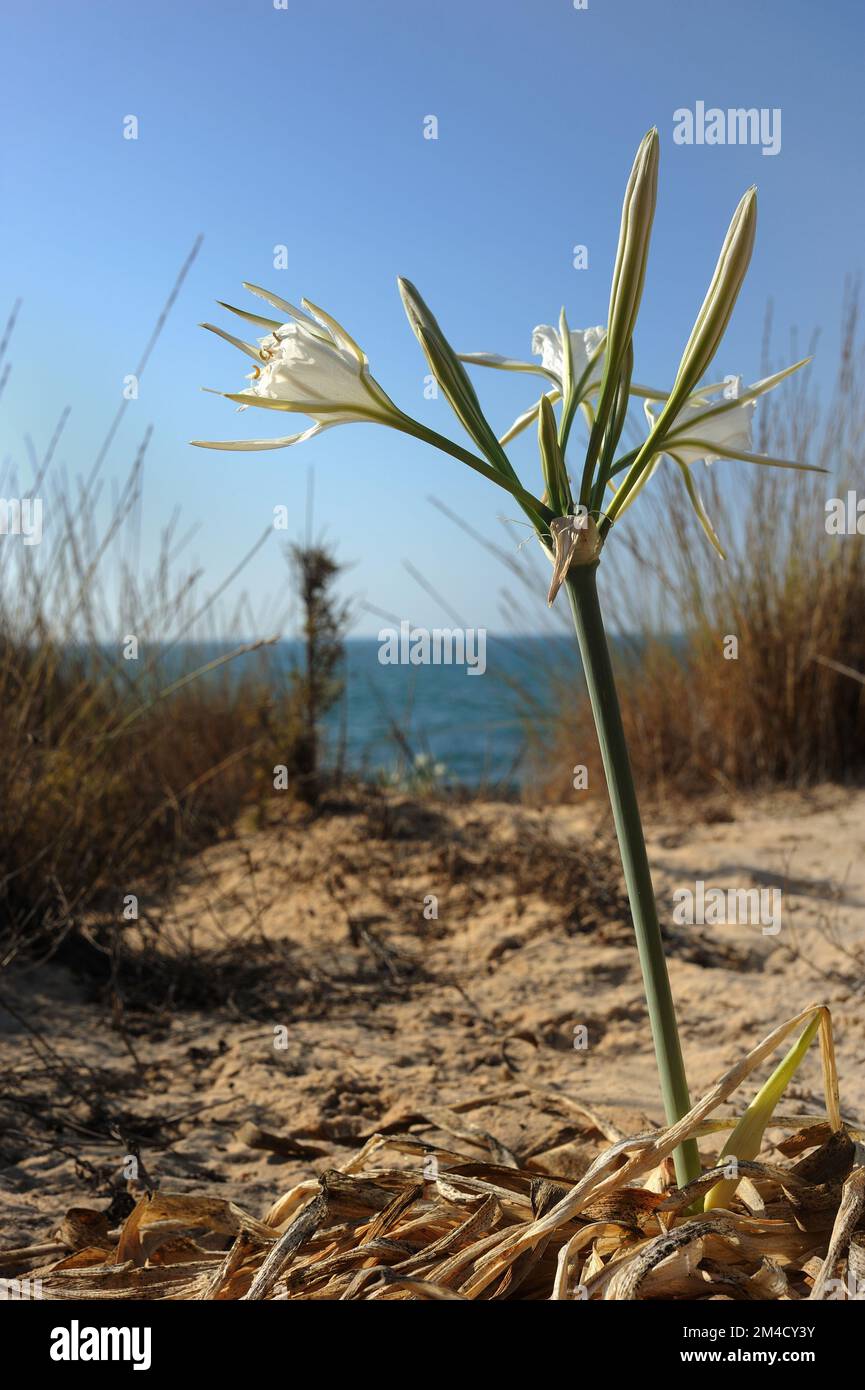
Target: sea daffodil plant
308,364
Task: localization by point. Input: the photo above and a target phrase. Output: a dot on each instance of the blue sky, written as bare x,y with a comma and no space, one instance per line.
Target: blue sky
303,127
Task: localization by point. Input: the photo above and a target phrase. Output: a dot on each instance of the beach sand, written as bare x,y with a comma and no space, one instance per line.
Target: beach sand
377,1008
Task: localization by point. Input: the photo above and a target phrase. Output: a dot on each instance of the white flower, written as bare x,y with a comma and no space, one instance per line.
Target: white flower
547,344
585,342
588,359
710,430
308,365
313,371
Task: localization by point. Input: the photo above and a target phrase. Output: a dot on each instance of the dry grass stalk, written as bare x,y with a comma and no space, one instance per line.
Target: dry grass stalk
406,1219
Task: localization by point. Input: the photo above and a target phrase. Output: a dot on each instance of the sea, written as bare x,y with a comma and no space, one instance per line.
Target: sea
437,722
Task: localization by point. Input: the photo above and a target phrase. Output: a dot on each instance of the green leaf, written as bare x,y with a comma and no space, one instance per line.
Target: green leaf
747,1137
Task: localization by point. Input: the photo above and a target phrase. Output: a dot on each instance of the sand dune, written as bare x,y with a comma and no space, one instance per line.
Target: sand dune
350,1001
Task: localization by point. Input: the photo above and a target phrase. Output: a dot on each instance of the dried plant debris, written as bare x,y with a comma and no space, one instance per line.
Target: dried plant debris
404,1218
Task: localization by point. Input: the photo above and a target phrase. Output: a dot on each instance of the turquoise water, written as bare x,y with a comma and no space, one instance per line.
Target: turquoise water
471,728
472,724
392,714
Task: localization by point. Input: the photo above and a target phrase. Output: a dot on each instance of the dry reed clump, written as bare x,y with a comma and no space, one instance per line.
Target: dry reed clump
133,735
793,596
406,1219
98,789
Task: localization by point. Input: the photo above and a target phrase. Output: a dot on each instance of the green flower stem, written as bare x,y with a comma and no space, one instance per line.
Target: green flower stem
538,513
582,589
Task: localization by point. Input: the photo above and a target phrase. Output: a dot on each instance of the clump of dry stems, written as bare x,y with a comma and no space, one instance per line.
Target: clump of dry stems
406,1219
117,767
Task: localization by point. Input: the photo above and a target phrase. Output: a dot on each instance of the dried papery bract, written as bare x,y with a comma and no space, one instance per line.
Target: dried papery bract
576,542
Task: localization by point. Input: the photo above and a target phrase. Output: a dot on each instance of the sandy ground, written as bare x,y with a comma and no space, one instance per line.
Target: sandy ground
351,1002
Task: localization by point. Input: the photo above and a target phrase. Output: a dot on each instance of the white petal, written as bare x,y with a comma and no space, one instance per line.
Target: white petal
250,445
547,345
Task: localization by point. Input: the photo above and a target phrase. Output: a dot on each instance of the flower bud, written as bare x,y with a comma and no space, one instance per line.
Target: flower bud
552,461
703,343
720,298
451,375
629,273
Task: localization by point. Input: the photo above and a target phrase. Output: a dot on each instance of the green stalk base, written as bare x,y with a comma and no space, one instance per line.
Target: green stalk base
582,589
